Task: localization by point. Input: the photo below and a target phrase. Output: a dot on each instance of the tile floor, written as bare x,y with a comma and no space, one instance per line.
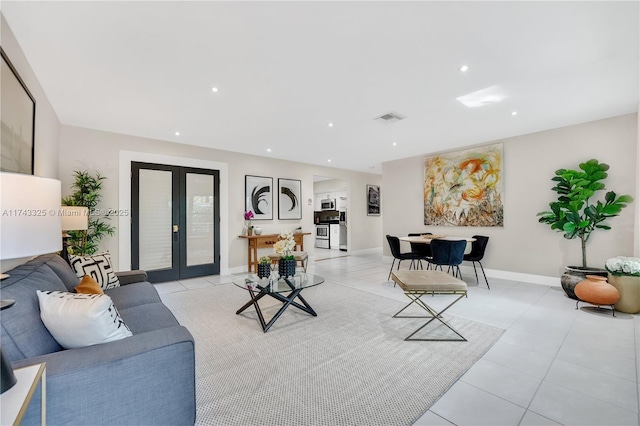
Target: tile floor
553,364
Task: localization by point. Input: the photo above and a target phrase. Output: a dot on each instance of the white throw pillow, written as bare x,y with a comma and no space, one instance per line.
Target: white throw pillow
77,320
98,267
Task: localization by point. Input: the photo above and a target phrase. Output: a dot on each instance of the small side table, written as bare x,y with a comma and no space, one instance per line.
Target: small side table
15,401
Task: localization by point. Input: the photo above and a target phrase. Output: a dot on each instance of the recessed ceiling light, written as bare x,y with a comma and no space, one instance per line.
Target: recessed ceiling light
330,124
329,160
177,133
395,143
214,89
464,68
514,113
268,149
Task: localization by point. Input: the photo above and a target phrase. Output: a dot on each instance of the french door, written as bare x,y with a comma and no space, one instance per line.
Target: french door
175,226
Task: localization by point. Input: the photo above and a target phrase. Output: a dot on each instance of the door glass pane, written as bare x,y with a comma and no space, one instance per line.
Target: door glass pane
199,219
155,219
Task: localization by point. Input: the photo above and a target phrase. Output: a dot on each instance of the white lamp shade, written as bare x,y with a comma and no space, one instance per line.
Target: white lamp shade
75,218
30,219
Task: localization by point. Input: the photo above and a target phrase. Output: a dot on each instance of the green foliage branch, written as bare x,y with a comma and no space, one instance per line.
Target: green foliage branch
87,193
574,213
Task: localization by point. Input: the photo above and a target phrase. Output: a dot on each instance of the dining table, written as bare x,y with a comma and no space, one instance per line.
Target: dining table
426,239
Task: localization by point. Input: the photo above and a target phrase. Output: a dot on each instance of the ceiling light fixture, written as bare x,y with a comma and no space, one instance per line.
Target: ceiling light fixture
395,143
177,133
214,89
330,124
268,149
329,160
464,68
514,113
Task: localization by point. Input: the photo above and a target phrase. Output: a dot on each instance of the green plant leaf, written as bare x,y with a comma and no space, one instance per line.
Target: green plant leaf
612,209
625,199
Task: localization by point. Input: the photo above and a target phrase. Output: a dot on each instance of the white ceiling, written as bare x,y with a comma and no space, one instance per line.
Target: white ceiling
285,70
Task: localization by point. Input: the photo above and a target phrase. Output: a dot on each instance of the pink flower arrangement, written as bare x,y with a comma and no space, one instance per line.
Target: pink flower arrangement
248,215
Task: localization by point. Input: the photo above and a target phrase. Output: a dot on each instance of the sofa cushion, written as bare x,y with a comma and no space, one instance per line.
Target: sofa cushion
62,269
98,266
23,334
88,286
79,320
133,295
149,317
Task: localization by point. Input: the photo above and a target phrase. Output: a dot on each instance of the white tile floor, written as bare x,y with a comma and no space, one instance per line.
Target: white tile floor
553,364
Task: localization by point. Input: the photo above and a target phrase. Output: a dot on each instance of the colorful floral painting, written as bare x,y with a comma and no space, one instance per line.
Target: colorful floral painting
464,188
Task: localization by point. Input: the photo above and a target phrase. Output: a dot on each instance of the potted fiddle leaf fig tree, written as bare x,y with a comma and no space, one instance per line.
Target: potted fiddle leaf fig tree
576,214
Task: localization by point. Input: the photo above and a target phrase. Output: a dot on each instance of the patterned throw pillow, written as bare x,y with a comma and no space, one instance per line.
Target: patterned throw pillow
79,320
98,267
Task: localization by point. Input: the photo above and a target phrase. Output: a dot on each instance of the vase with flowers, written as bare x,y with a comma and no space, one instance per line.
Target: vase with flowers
624,274
284,248
248,215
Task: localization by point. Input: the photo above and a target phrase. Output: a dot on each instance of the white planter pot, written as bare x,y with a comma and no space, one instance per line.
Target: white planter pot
629,288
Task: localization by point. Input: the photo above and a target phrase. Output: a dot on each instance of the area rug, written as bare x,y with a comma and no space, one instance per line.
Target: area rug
349,365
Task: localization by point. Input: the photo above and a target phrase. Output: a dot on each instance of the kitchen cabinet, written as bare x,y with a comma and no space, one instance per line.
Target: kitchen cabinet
334,236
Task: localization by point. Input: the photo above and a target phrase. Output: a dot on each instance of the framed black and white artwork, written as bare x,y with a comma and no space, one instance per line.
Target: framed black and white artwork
289,196
373,200
17,120
258,194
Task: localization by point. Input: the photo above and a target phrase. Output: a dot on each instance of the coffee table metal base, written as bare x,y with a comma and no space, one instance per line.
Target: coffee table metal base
286,300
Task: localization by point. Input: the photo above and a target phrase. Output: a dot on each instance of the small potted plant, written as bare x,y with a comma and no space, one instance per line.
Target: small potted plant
624,274
284,248
576,215
264,267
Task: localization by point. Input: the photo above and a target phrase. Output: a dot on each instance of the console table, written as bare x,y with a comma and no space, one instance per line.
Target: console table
256,242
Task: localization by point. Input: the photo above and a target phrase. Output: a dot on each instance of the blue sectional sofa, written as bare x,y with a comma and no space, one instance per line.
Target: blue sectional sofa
145,379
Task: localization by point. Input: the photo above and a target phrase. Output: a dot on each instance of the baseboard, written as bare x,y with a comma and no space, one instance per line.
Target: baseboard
505,275
515,276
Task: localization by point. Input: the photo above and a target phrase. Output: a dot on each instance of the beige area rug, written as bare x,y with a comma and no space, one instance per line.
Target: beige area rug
347,366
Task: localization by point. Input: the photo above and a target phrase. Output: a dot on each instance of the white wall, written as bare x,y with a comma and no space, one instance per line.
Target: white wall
88,149
523,245
47,127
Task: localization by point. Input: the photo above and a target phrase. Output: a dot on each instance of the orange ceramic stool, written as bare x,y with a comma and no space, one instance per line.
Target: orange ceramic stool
597,291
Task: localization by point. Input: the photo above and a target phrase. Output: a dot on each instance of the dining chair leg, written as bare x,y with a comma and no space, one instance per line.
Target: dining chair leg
485,275
476,272
391,269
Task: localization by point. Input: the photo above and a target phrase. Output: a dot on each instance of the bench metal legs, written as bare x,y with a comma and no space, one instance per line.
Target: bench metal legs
434,315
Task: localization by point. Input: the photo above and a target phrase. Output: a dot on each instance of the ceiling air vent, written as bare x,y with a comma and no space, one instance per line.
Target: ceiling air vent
390,117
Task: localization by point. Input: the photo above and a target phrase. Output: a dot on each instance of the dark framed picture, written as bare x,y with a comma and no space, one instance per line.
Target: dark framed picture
373,200
289,196
258,195
17,120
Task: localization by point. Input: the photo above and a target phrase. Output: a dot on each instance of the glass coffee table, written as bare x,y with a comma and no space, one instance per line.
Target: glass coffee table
282,289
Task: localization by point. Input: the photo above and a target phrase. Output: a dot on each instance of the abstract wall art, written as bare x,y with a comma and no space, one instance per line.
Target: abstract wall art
464,188
289,196
17,121
258,193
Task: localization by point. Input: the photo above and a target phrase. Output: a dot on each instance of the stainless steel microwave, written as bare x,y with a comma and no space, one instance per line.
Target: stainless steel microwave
328,204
